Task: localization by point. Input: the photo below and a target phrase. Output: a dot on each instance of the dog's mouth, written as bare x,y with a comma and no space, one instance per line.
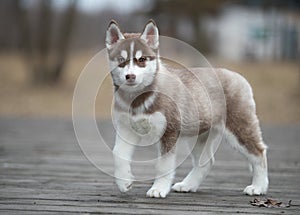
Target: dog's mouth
131,83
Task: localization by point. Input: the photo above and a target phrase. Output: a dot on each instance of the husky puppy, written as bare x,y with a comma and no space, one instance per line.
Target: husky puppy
152,98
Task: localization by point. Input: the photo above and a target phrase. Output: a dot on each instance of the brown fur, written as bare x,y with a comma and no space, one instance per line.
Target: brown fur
242,120
139,45
131,35
169,138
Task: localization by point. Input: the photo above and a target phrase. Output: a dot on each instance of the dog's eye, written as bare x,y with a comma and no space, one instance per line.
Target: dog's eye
121,59
142,59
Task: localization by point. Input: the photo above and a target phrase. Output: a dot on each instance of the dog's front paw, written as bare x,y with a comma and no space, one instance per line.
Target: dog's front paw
124,185
255,190
183,187
156,192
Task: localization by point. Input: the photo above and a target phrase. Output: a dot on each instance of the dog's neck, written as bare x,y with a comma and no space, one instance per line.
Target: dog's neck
135,103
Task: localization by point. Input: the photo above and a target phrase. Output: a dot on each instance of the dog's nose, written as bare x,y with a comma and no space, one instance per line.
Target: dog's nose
130,77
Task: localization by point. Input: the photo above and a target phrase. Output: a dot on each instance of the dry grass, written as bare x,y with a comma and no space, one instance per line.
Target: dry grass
276,87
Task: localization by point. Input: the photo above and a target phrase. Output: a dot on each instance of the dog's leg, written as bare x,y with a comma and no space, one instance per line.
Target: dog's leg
123,151
258,163
245,135
248,141
260,180
165,171
165,167
199,172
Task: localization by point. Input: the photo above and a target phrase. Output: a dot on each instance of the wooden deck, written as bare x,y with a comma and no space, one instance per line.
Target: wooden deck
43,171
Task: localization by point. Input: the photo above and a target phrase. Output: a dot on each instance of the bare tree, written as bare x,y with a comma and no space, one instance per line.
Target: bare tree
45,50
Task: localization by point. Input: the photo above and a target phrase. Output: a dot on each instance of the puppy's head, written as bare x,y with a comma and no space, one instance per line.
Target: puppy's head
133,58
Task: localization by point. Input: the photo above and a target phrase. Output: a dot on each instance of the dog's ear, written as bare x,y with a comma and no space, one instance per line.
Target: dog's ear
113,34
150,34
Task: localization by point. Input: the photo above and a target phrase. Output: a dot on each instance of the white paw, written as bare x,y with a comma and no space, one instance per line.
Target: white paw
155,192
183,187
255,190
124,185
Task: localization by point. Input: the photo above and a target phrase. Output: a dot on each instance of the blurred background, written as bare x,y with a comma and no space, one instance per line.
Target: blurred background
45,44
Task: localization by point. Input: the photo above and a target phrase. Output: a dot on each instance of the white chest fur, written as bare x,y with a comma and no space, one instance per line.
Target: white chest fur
148,127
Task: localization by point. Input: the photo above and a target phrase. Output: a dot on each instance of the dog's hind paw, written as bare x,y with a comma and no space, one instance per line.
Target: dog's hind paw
252,190
183,187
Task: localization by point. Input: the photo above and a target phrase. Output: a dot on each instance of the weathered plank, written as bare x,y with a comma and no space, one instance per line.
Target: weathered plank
43,171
